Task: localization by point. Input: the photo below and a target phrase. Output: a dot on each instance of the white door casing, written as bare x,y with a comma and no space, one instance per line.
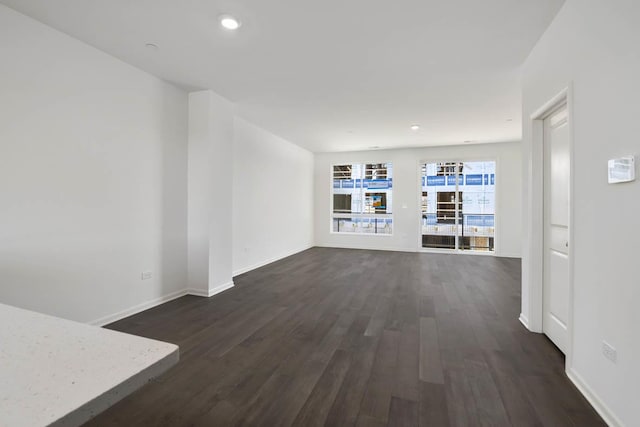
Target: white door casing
557,162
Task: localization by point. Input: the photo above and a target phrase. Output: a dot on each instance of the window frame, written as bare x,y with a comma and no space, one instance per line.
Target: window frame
497,223
361,215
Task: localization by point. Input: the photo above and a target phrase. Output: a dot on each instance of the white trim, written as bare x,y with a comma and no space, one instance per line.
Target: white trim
362,215
497,213
212,291
365,248
349,233
418,181
456,252
110,318
536,220
535,226
138,308
511,255
548,107
523,319
572,174
601,408
331,213
270,260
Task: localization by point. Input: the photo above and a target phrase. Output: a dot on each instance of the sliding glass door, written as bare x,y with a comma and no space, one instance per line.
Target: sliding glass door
458,205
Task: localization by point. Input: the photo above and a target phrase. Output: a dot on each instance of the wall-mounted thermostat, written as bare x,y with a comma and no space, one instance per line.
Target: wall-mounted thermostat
622,170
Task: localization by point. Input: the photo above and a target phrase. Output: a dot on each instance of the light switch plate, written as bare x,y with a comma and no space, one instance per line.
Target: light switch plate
622,170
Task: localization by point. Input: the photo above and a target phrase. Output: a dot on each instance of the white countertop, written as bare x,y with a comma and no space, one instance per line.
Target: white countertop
58,372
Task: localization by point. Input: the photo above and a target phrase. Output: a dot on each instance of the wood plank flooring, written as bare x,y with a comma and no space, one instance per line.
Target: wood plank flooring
340,337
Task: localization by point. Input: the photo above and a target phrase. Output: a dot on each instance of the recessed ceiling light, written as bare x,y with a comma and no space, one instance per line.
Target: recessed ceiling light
469,141
229,22
415,127
151,46
374,147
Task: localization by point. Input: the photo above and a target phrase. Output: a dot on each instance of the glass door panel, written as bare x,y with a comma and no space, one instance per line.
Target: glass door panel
440,204
458,205
478,206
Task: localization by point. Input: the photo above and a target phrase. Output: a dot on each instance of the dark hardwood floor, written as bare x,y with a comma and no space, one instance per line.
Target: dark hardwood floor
341,337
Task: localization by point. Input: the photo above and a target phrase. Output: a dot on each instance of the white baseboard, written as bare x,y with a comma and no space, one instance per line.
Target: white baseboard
211,292
270,260
138,308
602,409
523,319
157,301
512,256
366,248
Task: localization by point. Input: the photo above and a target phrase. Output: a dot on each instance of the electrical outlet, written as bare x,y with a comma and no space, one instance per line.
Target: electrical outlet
609,352
146,275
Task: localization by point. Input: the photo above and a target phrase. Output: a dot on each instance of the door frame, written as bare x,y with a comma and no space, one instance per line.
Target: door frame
537,197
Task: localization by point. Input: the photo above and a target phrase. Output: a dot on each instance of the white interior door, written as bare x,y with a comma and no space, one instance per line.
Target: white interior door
556,227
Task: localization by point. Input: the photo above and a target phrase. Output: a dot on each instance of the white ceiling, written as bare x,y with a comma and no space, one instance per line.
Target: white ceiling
331,75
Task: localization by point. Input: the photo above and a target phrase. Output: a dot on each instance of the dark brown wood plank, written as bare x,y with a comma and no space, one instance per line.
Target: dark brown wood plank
377,398
489,405
403,413
433,405
315,410
351,337
407,381
430,365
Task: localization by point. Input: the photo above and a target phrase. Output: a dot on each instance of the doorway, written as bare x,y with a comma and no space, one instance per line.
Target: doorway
538,271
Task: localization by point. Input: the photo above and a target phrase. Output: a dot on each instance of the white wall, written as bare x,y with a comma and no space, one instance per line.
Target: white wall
93,159
406,194
593,45
272,197
210,174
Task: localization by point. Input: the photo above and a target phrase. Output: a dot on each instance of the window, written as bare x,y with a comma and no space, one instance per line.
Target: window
362,198
458,205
